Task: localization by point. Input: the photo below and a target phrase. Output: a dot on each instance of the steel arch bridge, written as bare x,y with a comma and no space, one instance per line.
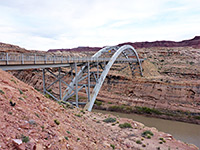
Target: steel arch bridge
126,51
86,74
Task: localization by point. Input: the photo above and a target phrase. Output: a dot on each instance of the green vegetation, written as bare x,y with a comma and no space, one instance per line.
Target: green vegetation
78,139
113,146
25,96
191,63
66,138
57,122
20,91
148,137
122,108
37,115
10,113
13,81
162,140
25,139
98,103
109,102
83,111
147,110
42,128
77,115
37,89
197,117
143,145
138,142
109,120
21,98
2,92
147,134
49,90
47,95
68,132
125,125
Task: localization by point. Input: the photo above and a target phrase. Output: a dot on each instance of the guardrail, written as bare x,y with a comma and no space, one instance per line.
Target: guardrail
29,58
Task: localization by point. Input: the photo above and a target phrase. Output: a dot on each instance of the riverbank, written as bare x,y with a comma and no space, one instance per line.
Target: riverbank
186,132
178,115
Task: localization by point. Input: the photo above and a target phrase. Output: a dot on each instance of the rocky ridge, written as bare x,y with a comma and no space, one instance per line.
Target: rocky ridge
194,43
12,48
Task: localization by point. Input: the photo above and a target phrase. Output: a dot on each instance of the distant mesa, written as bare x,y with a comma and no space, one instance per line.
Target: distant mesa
78,49
194,43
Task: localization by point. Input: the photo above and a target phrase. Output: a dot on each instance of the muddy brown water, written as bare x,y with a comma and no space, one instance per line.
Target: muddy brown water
186,132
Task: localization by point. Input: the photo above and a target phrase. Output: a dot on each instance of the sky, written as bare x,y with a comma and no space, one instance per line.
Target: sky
51,24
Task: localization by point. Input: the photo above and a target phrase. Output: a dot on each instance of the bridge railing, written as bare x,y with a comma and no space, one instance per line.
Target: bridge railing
30,58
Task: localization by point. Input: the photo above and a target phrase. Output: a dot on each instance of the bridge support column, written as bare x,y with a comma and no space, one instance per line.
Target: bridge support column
76,82
60,88
88,92
44,87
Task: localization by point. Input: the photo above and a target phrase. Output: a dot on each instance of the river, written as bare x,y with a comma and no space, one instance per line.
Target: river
186,132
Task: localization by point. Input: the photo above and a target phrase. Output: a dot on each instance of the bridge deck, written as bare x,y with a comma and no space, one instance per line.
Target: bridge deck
12,61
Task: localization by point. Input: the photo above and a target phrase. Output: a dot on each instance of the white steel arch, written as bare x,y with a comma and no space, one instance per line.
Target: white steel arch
99,84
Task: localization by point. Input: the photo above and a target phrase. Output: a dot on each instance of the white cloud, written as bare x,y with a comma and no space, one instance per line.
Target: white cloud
46,24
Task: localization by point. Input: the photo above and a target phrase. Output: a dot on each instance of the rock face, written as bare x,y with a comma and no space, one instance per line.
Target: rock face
11,48
171,82
35,122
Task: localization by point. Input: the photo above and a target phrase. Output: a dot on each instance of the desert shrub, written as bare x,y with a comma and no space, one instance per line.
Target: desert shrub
37,89
161,139
113,146
20,91
47,95
68,132
57,122
77,115
147,133
25,139
13,81
143,145
138,142
2,92
147,110
20,98
37,115
121,108
83,111
191,63
109,120
98,103
116,108
125,125
10,113
197,117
